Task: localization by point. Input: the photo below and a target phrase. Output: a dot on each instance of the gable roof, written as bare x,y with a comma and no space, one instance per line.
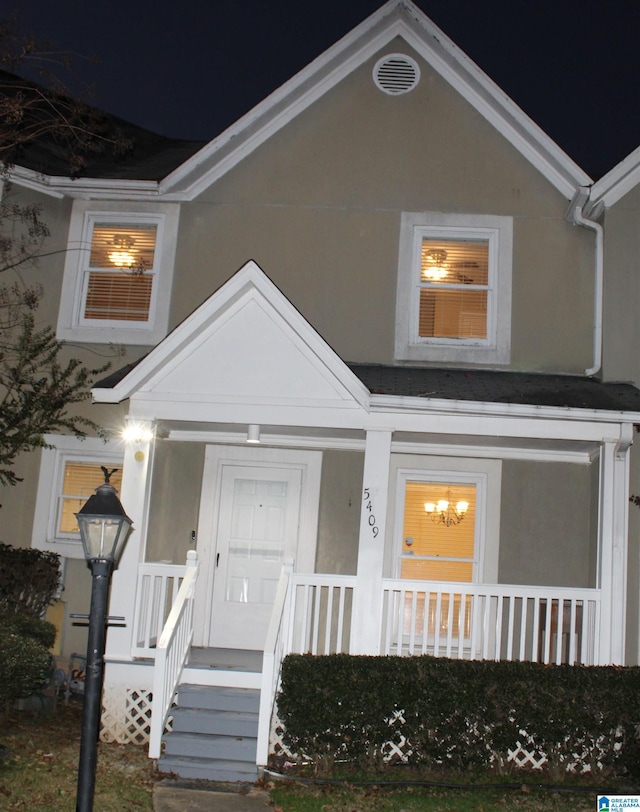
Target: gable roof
246,345
396,18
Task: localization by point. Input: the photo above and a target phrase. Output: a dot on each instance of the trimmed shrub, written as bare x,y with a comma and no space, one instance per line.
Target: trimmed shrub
29,580
39,630
25,666
458,714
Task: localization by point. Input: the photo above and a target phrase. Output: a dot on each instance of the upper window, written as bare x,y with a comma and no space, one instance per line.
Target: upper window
118,274
454,288
70,472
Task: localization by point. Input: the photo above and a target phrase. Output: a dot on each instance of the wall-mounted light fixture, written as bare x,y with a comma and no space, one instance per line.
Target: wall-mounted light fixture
253,434
137,433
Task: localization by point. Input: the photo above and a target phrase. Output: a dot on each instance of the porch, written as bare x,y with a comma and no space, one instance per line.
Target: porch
314,613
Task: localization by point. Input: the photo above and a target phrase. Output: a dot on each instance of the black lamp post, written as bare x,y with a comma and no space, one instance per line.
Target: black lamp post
104,527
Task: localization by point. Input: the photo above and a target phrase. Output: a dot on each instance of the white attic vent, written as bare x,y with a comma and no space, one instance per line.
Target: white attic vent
396,73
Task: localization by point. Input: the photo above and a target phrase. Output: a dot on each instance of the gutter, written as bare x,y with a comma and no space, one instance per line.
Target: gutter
576,216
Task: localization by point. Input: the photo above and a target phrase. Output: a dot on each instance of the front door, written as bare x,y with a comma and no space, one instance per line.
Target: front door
257,531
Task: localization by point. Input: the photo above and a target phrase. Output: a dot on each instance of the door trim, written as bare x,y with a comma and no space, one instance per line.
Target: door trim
217,458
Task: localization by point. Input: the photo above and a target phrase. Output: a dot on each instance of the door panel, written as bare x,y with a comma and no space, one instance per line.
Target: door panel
257,530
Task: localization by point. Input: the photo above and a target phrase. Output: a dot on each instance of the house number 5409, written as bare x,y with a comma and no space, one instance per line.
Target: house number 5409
368,506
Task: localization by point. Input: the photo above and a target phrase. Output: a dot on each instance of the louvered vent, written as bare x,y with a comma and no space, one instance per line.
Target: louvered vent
396,73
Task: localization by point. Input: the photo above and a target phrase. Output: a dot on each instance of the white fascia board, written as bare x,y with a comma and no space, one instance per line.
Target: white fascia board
84,188
613,186
396,18
399,403
452,424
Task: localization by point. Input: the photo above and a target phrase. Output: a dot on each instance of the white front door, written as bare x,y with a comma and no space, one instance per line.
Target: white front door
257,531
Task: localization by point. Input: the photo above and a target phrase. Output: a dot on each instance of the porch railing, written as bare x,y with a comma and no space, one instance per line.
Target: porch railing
172,653
491,622
311,613
158,586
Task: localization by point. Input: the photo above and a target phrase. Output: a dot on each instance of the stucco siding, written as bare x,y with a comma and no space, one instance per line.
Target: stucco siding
318,207
546,535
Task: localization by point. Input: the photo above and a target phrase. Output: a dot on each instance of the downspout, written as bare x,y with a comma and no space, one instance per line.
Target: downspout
580,220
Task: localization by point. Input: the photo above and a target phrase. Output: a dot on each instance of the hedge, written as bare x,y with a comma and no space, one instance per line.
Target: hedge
458,714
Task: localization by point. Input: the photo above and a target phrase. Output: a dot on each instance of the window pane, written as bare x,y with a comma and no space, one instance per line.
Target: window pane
122,296
439,523
123,246
455,313
455,262
80,479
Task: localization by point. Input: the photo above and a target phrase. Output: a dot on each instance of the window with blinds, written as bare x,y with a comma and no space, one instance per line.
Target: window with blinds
454,287
118,283
439,544
79,481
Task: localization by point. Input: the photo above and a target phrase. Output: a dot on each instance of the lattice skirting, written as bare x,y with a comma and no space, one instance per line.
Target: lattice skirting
524,755
126,719
126,715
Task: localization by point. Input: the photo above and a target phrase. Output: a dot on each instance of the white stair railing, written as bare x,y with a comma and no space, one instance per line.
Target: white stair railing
171,654
275,649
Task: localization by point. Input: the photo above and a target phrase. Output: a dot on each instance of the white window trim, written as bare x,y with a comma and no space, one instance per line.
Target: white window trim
52,464
498,230
71,325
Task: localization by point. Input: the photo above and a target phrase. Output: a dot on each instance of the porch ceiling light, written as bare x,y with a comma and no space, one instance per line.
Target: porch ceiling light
444,512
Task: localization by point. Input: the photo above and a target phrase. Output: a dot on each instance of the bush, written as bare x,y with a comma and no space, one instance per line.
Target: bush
29,580
458,714
36,629
25,666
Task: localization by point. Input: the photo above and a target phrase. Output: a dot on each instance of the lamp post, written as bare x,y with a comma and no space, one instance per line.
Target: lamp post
104,528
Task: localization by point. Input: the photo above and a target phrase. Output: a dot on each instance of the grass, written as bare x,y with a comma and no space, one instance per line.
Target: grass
296,798
41,773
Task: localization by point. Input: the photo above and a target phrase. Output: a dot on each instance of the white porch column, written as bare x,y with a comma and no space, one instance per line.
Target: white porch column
136,480
612,546
367,608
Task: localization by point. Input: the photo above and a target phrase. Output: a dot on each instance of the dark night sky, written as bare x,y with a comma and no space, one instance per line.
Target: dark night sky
189,68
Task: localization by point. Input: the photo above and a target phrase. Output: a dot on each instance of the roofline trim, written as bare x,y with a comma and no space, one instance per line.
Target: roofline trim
60,186
395,18
408,403
618,181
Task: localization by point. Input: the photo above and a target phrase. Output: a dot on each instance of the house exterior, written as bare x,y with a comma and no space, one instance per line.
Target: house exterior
376,376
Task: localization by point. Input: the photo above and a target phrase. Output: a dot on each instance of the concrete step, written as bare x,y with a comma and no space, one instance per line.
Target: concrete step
206,770
218,722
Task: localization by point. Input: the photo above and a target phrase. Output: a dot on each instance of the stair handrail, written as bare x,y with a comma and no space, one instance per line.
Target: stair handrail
276,643
172,653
